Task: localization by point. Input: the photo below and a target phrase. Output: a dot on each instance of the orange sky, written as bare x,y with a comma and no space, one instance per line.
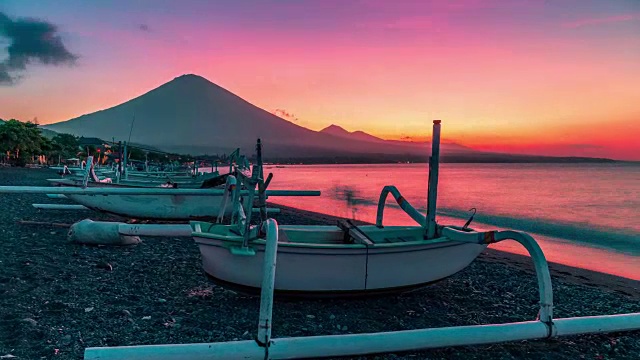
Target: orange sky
513,76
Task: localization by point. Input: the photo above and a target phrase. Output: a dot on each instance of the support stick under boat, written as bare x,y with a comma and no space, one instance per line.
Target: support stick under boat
270,227
434,164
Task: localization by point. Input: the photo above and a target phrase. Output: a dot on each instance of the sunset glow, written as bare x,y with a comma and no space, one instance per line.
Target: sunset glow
549,78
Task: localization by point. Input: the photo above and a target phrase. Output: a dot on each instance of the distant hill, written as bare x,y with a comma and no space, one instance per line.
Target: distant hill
358,135
192,115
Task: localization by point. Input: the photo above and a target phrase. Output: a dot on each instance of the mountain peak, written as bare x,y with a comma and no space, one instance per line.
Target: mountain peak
335,130
355,135
190,76
190,80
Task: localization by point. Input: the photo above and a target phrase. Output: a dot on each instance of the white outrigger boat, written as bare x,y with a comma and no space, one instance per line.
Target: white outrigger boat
320,258
149,199
340,260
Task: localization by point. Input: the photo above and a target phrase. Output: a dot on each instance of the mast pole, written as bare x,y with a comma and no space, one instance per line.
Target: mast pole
434,164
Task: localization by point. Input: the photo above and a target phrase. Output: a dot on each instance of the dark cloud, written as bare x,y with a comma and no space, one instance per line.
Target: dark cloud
144,27
30,40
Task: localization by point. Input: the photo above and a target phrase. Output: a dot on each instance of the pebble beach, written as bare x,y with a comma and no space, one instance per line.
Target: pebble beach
58,298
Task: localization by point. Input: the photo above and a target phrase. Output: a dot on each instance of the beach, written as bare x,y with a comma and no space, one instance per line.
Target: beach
58,298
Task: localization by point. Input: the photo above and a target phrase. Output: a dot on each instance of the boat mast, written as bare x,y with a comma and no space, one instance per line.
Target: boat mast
124,162
434,164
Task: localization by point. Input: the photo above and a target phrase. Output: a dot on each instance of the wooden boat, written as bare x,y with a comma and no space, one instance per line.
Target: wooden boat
157,203
321,260
342,259
157,206
193,184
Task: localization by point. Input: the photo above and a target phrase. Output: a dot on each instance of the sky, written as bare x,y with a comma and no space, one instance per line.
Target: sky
522,76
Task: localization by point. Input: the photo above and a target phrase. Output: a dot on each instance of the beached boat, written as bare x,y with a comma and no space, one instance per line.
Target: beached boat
153,205
323,261
194,183
341,259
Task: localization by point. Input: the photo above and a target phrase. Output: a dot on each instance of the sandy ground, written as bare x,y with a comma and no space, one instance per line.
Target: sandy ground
57,298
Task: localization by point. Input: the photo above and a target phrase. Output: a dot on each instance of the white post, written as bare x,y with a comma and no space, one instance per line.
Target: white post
434,164
265,322
124,162
155,229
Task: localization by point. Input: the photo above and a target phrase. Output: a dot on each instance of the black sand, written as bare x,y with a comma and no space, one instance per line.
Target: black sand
57,298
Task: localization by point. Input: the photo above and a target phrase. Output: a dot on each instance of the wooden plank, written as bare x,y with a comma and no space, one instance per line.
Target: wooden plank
354,232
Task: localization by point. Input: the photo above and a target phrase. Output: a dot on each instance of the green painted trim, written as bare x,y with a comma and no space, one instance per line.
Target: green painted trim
232,241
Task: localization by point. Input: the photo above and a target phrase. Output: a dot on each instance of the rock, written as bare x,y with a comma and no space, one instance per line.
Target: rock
104,265
332,317
126,312
66,340
162,300
30,321
52,232
146,318
311,316
344,328
88,309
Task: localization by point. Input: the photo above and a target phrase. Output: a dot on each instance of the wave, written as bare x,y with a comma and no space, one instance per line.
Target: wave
621,240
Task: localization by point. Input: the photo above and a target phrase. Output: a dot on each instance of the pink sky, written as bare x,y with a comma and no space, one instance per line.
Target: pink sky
512,76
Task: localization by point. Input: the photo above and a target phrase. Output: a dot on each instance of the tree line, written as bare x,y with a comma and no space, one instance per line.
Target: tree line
21,142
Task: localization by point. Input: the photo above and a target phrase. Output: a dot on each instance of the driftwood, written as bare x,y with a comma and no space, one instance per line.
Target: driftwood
44,223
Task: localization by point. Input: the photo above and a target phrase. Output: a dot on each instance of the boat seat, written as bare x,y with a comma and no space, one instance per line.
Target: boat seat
353,234
398,239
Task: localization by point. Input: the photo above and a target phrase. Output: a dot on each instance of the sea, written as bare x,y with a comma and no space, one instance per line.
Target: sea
583,215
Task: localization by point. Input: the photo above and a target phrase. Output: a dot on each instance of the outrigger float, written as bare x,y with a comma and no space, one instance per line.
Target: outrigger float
284,258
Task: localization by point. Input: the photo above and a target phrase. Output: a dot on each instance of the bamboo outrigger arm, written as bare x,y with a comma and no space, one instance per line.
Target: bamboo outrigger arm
402,202
539,261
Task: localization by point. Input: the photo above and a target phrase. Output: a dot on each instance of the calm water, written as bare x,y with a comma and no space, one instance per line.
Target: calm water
584,215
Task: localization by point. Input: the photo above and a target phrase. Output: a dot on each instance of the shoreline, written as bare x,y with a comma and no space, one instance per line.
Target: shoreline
57,298
575,275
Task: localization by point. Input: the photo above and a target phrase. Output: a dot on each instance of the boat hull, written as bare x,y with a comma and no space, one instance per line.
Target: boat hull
126,183
158,207
336,270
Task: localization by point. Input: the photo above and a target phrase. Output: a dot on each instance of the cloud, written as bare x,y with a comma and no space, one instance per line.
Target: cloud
602,20
144,27
30,40
285,115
